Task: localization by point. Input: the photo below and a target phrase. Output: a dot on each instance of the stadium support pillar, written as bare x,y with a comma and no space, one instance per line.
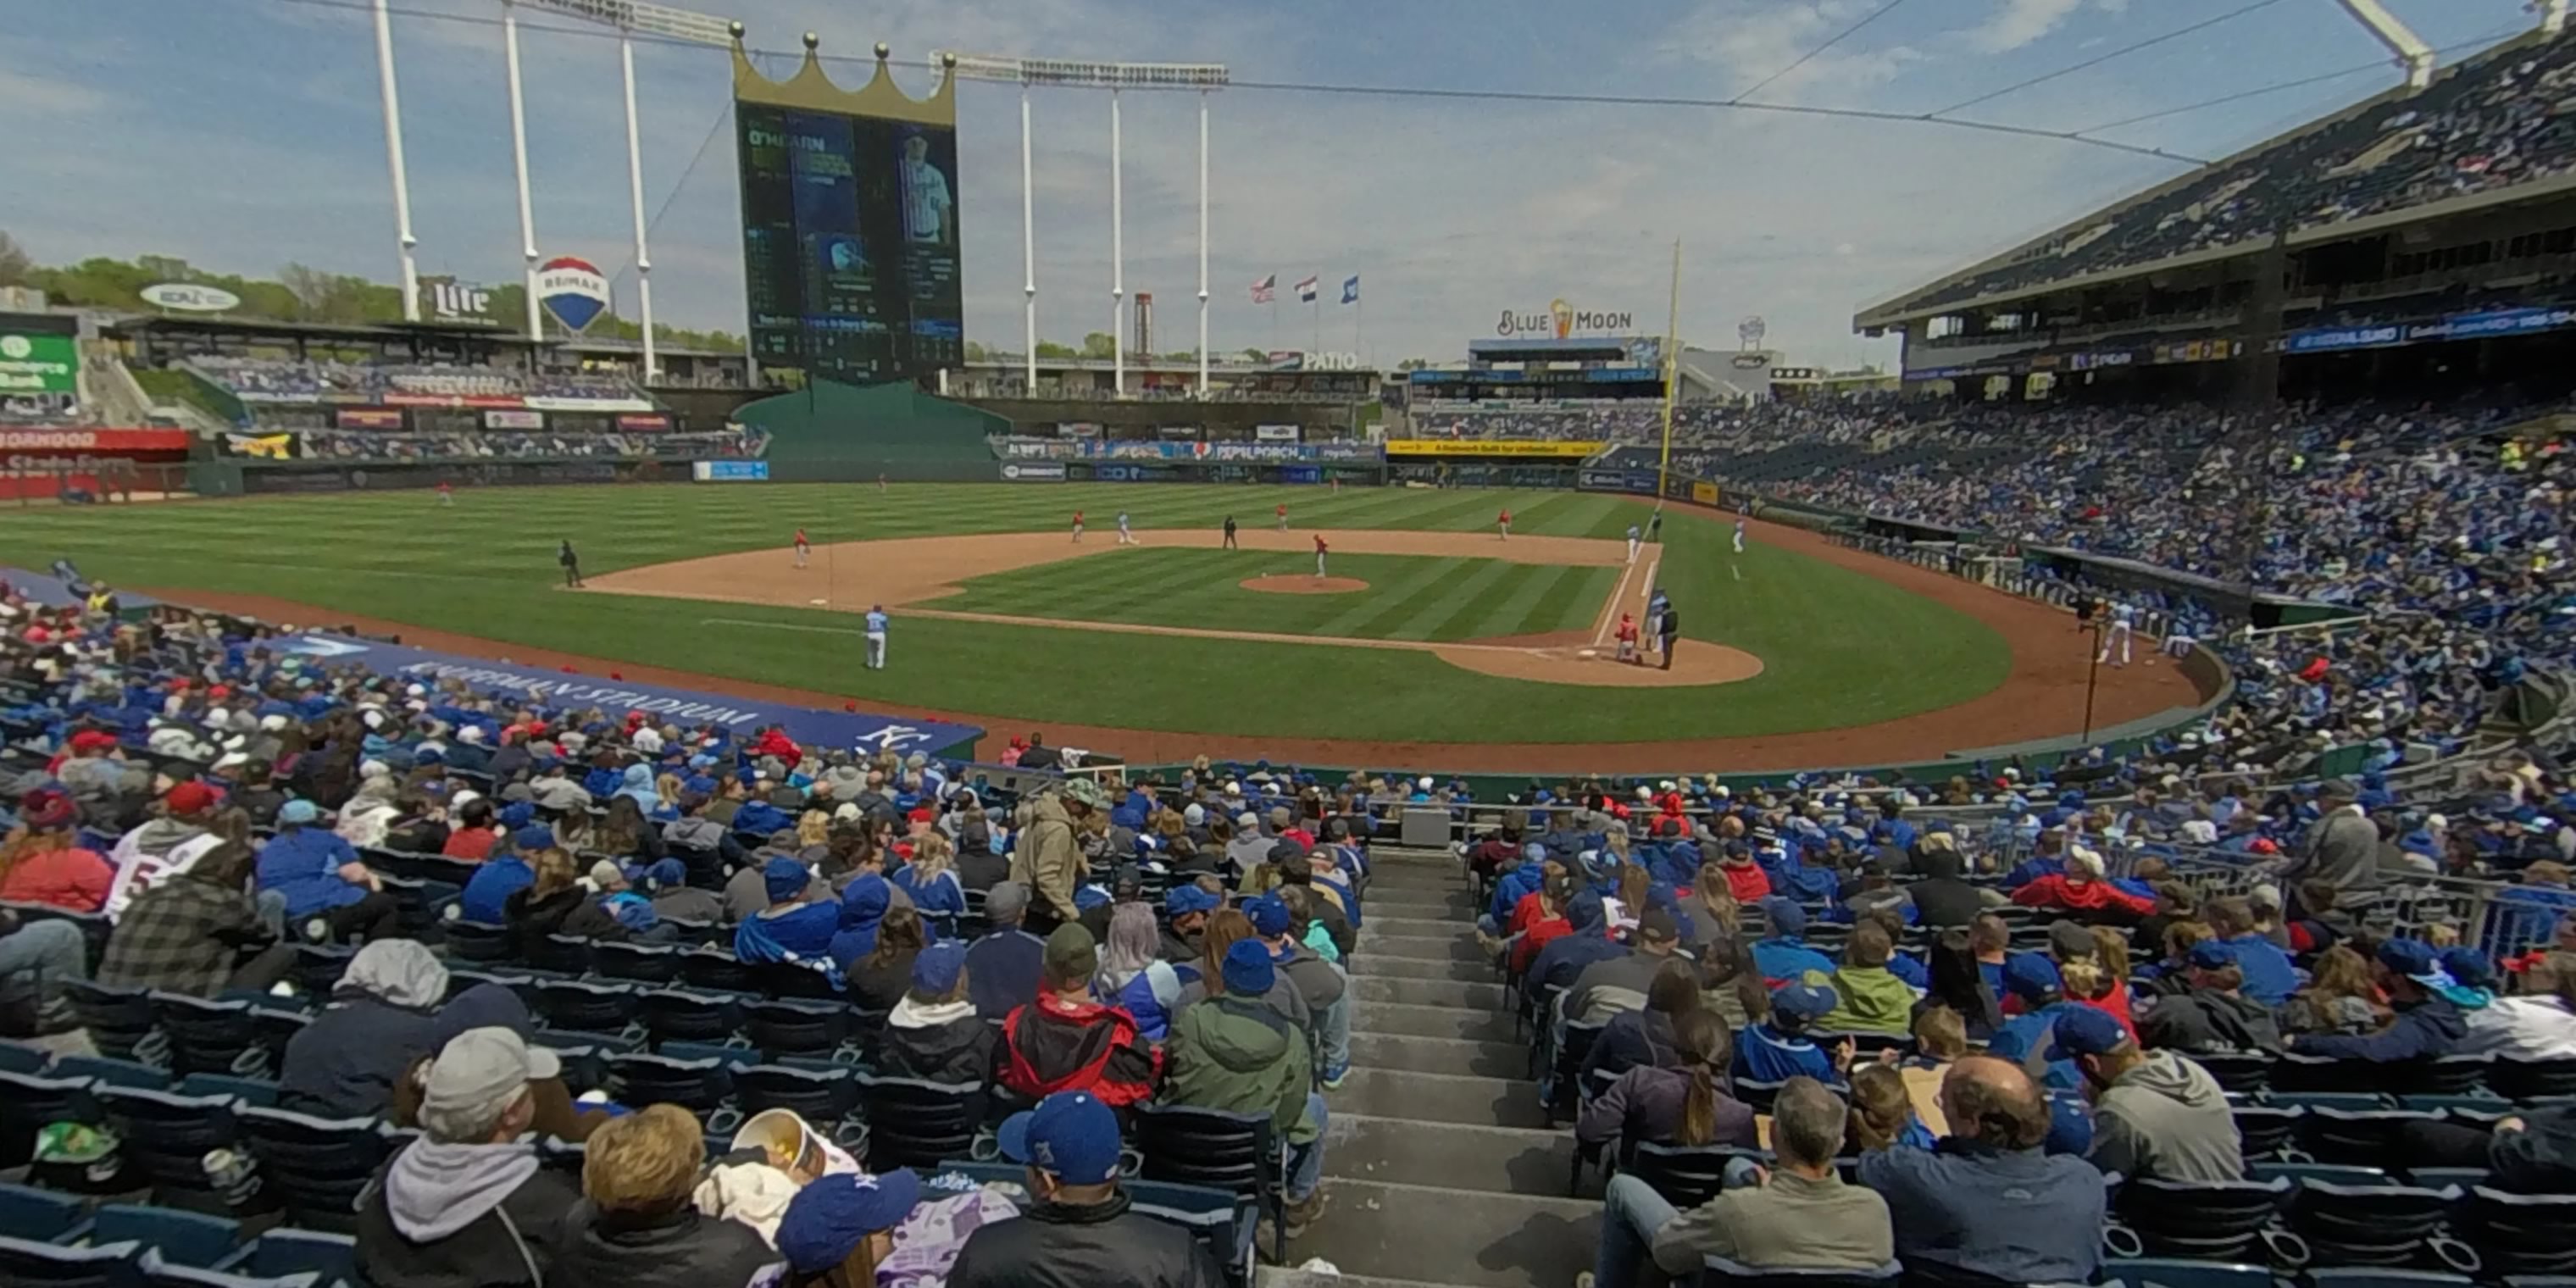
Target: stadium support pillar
635,198
519,168
1203,243
2412,53
2553,16
1117,259
392,96
1028,246
2253,434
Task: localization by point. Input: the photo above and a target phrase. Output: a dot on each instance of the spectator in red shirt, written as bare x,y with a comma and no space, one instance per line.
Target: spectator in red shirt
40,864
473,838
1547,925
1745,878
2080,889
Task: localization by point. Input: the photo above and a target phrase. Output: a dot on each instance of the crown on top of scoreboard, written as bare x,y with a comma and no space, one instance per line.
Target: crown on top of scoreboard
809,89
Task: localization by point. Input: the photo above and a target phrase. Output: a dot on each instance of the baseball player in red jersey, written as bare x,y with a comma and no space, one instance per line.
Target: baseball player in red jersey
446,493
1283,516
1077,527
1628,638
803,547
1320,551
1503,522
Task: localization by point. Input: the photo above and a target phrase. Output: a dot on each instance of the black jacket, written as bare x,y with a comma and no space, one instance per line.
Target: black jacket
343,1064
957,1052
1940,897
1100,1246
981,869
682,1250
2539,1159
2203,1023
569,911
483,1253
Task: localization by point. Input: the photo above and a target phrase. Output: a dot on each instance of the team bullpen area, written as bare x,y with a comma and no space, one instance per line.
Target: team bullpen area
1171,634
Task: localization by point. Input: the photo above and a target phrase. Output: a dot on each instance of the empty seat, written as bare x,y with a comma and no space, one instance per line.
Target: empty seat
913,1123
795,1028
186,1238
166,1136
714,968
819,1098
42,1215
2367,1225
318,967
695,1085
562,954
2366,1137
1233,1152
27,1263
2241,1072
2519,1234
207,1036
479,942
2532,1079
644,963
1214,1217
111,1072
672,1015
329,1258
588,1008
2206,1221
118,1019
2160,1272
2265,1130
22,1057
316,1166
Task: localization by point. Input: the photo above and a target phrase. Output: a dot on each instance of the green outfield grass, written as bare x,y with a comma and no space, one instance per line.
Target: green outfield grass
1409,597
1839,648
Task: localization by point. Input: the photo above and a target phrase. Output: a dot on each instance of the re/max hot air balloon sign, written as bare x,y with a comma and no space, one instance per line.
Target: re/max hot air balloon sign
572,290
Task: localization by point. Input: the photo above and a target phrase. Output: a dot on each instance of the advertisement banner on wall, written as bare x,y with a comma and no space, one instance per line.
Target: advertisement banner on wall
1078,428
1301,473
1703,493
1275,433
1018,472
115,442
514,420
1489,447
654,424
1132,474
367,418
39,354
729,471
1639,481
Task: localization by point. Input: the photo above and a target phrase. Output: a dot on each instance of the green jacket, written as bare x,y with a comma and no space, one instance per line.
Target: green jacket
1873,1001
1048,858
1241,1055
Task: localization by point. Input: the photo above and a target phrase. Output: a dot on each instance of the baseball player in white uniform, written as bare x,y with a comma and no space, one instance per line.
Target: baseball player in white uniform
2178,639
1125,538
876,637
2122,627
1634,540
1739,536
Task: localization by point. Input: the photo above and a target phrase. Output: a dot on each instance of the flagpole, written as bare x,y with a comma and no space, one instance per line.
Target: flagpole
1315,307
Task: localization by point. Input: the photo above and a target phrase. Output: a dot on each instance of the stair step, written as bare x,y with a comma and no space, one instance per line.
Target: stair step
1439,1097
1442,1235
1424,877
1429,1021
1416,1053
1500,1160
1429,992
1413,927
1285,1277
1399,967
1404,901
1458,947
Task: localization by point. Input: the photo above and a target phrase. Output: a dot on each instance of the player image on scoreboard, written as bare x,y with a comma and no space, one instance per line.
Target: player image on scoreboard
929,201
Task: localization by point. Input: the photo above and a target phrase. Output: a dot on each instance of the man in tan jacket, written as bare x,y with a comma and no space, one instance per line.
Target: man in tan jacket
1048,858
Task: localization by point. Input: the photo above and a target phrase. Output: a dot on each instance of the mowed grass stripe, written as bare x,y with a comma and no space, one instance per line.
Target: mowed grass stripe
1350,620
1573,603
1396,614
1523,604
1085,589
1474,596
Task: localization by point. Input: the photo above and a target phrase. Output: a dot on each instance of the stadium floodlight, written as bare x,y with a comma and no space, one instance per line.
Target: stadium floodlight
404,242
2412,53
629,17
1204,78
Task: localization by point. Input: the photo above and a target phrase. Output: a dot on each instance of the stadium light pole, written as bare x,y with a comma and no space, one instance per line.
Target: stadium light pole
628,17
404,241
1114,77
519,164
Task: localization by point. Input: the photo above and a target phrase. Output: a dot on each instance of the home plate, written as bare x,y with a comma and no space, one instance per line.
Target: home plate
1587,654
818,602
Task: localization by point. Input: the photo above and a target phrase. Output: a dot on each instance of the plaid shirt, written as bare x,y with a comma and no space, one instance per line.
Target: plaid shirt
184,935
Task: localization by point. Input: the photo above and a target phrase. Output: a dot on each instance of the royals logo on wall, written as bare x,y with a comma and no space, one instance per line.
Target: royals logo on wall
573,291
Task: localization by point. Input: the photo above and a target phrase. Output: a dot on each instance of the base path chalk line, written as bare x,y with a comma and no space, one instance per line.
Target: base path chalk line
1610,610
1138,628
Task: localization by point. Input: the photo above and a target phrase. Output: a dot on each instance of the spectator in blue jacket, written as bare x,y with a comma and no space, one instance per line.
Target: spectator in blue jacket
328,892
2431,1010
487,893
1783,957
1988,1204
1778,1048
935,887
2270,978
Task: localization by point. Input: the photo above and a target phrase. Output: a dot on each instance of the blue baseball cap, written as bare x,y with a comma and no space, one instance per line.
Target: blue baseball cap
1788,920
2211,954
298,812
2031,976
2414,959
2082,1030
936,969
1248,969
1071,1136
1269,915
784,878
1805,1001
827,1219
1182,900
2470,967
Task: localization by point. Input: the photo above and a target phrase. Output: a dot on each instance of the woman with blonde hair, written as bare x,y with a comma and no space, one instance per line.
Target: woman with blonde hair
930,879
40,861
813,828
641,1225
2339,998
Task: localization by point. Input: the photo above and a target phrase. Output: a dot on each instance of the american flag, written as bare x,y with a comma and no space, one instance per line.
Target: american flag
1306,291
1262,289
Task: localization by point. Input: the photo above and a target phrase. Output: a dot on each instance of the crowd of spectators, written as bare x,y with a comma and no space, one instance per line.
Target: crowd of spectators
364,445
288,380
2487,124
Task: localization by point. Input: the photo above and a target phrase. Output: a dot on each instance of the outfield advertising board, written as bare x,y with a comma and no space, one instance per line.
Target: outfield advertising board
729,471
1032,472
1490,447
39,354
1638,481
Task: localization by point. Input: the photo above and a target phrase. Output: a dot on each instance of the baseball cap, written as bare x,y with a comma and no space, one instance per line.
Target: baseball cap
47,809
2030,976
1788,920
606,873
482,1066
2212,954
298,812
1660,925
1805,1001
1248,969
190,797
2069,940
2473,969
935,969
2082,1030
2414,959
784,878
1269,915
1006,901
1071,951
828,1219
1085,792
1071,1136
1182,900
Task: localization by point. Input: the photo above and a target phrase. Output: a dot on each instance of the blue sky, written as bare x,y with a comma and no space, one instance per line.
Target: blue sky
243,134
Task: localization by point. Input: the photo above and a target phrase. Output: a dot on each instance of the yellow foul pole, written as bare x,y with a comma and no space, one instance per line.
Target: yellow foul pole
1672,375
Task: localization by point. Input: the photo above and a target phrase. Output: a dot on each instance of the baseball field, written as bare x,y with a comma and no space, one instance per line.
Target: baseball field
1431,640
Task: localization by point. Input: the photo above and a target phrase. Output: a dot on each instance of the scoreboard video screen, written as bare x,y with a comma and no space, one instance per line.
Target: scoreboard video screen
849,243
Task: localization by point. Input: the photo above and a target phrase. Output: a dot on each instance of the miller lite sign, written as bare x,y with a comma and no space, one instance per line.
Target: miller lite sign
572,290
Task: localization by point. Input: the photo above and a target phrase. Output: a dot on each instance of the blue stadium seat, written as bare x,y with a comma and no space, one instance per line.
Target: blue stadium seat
913,1123
819,1098
2212,1221
184,1238
44,1216
29,1102
2532,1080
26,1263
780,1028
482,943
2238,1072
316,1166
1686,1175
207,1036
1233,1152
641,963
112,1072
698,1086
2156,1272
2359,1277
329,1258
2368,1225
2265,1130
588,1008
318,967
675,1015
2365,1137
167,1137
1220,1221
563,954
117,1019
2518,1234
717,970
254,1091
155,1271
23,1057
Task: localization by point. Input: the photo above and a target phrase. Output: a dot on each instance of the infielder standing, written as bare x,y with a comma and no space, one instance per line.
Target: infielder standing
1739,536
1125,538
1283,516
1633,543
876,637
1655,526
803,547
2123,624
1503,522
1229,533
1077,527
1320,550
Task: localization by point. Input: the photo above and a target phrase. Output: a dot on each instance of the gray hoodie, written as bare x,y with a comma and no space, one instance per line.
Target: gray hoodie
2166,1119
435,1190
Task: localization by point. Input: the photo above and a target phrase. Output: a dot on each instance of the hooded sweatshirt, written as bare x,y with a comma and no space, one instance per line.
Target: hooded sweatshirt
1236,1054
2166,1119
2202,1022
344,1063
462,1216
1873,1000
937,1042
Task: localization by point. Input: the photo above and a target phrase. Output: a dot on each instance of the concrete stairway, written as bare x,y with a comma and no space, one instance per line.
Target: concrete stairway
1440,1166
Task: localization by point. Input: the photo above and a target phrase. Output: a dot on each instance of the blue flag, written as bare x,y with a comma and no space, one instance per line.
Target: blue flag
1351,289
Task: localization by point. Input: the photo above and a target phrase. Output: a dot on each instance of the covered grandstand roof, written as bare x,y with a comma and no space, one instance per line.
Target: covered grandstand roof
2485,131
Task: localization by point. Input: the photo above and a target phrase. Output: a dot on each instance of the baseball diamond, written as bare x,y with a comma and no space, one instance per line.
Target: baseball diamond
1462,649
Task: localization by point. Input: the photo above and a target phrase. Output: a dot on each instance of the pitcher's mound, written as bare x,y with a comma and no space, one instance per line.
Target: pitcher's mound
1300,584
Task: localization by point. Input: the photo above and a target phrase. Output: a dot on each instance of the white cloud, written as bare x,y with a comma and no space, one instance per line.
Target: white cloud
1755,40
2019,22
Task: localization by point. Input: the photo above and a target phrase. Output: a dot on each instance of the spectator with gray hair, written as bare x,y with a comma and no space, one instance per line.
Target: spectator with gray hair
467,1205
1797,1215
1989,1203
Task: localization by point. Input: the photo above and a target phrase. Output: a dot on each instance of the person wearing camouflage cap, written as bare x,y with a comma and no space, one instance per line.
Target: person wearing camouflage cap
1049,859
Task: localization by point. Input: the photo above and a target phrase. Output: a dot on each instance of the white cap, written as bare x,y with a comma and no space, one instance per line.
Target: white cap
1247,819
1645,793
272,723
1423,782
470,735
1195,814
847,813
